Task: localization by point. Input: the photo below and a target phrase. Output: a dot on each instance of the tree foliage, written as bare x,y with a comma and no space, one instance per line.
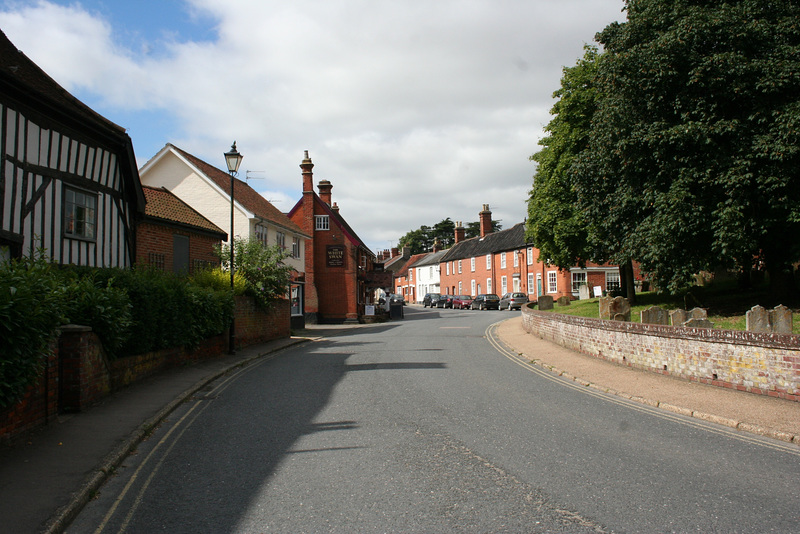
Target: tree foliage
692,157
266,275
421,240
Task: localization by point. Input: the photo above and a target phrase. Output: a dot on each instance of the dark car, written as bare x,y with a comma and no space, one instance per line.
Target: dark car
486,301
394,298
513,301
462,302
430,299
448,302
442,302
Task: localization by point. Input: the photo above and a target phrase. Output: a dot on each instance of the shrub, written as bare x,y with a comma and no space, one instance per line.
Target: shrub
219,280
261,266
31,308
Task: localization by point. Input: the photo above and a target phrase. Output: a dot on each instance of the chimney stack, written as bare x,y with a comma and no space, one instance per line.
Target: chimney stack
436,245
308,176
325,191
486,220
460,232
395,252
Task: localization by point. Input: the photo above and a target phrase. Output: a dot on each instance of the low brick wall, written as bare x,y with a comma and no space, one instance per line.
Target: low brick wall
765,364
78,374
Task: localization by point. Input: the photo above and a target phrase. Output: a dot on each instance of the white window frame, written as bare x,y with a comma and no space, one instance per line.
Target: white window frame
79,210
516,259
531,286
552,282
502,260
459,287
296,247
280,240
472,264
322,222
488,285
472,288
578,278
447,265
503,285
459,267
529,255
488,261
612,280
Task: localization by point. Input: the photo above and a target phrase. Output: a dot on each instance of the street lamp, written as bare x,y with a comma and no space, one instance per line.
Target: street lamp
232,160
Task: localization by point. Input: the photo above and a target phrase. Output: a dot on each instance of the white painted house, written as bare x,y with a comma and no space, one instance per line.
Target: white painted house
426,274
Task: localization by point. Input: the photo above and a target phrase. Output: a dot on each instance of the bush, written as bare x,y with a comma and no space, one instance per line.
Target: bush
219,280
31,308
261,266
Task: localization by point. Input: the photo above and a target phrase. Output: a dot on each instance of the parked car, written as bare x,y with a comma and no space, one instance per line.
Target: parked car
442,302
486,301
511,301
430,299
448,303
394,298
462,302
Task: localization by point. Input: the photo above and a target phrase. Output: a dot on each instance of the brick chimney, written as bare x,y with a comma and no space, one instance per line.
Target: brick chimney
436,245
335,207
460,232
308,176
395,252
325,191
486,220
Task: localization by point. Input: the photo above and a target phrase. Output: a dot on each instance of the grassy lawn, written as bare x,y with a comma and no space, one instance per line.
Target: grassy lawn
726,304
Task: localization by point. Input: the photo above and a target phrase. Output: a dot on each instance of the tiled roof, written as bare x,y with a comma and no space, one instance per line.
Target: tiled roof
16,66
243,193
402,269
504,240
434,258
163,204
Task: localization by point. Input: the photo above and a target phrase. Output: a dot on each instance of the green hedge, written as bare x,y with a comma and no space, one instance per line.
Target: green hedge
132,312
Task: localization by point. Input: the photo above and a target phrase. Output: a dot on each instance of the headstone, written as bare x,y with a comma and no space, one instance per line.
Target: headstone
757,319
545,302
698,313
583,292
678,317
655,315
564,301
605,303
620,306
780,319
699,323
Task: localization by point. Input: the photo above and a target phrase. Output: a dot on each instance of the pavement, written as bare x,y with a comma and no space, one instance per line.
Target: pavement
47,478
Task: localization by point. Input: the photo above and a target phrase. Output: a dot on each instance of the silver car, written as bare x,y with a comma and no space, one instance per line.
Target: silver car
512,301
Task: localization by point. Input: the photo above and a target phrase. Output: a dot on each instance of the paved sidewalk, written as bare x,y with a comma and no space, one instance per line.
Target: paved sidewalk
47,479
748,412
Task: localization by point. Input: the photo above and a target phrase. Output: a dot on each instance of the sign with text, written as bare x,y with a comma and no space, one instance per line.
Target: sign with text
335,256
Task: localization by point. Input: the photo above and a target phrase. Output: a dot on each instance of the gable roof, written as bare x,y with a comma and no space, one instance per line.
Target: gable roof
244,195
24,81
163,205
504,240
402,269
337,219
434,258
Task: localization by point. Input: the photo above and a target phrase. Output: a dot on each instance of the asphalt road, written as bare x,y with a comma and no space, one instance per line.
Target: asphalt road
427,425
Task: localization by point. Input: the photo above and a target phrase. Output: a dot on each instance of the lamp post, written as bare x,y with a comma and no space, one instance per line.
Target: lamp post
232,160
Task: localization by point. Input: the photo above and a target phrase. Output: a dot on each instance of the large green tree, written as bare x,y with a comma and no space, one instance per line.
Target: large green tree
693,158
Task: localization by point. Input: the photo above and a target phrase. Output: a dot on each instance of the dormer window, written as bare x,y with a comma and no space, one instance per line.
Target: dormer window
322,222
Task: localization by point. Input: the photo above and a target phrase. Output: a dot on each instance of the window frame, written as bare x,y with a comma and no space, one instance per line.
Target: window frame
322,223
70,220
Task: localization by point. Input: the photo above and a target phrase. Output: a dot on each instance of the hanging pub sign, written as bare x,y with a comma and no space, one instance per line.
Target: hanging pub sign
335,256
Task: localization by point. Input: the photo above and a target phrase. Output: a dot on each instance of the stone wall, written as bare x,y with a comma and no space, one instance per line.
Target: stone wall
761,363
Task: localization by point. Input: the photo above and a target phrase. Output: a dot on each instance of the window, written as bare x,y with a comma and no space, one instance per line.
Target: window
530,283
261,234
411,275
488,285
459,288
321,222
503,285
295,247
472,264
502,260
430,271
612,281
530,255
80,214
488,261
156,260
552,282
578,280
472,287
280,240
516,259
447,266
459,266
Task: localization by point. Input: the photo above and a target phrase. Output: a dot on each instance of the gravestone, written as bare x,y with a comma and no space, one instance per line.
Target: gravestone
605,303
545,302
619,309
699,323
757,320
698,313
655,315
678,317
780,319
583,292
564,301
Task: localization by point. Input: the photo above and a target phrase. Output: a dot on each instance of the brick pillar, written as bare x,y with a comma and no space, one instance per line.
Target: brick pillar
486,220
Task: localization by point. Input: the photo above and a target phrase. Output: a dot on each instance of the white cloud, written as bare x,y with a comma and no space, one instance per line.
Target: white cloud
415,110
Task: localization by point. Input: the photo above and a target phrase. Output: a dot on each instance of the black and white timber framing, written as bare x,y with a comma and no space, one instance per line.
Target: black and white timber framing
56,149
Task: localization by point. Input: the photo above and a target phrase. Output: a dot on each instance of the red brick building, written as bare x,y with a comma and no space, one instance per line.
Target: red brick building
338,263
173,236
503,262
404,278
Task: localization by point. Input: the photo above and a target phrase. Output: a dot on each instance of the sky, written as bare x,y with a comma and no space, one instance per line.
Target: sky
415,110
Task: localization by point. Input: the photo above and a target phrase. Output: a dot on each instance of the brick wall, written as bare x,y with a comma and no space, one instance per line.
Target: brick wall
158,239
86,375
766,364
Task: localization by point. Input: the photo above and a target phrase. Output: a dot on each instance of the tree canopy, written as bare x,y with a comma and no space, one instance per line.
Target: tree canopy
421,240
692,157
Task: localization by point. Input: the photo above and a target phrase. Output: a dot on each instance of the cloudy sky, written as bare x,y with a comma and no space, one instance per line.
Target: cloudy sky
415,110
